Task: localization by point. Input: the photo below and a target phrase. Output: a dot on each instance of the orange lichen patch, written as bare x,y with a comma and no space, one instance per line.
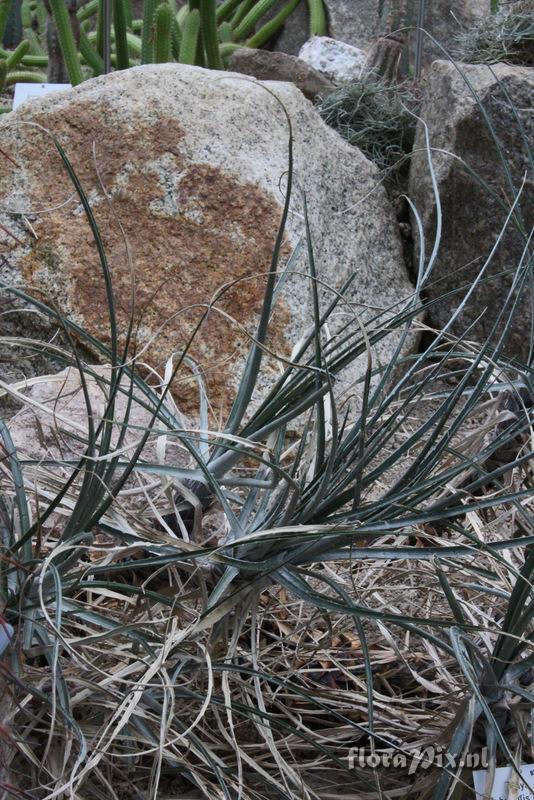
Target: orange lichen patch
191,228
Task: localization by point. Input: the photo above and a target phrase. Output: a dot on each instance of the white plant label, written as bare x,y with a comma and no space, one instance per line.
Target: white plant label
26,91
507,784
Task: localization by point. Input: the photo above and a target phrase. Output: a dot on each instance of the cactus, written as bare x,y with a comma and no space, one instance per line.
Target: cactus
267,31
121,43
66,41
56,70
226,9
17,55
176,39
241,12
88,10
190,33
249,22
147,44
36,48
90,56
162,34
25,77
26,14
128,12
225,32
317,18
208,27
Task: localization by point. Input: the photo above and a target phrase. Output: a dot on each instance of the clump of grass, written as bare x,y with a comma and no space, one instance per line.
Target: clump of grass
498,37
374,116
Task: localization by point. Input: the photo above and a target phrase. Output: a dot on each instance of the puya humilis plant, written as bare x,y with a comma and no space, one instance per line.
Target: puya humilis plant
150,680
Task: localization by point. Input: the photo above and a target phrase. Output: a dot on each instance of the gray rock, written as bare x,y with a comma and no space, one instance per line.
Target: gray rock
472,217
445,20
268,66
356,23
195,164
296,29
360,24
338,61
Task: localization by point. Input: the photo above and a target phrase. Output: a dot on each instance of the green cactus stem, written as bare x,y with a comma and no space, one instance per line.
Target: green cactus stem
190,33
121,42
250,21
89,55
66,41
162,34
208,27
241,12
34,61
88,10
26,14
176,40
225,32
227,48
267,31
25,77
147,37
317,18
28,60
36,47
226,9
128,12
134,42
181,16
18,54
41,17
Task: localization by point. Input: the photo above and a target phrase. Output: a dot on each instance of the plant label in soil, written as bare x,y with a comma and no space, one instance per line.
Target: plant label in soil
506,783
26,91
